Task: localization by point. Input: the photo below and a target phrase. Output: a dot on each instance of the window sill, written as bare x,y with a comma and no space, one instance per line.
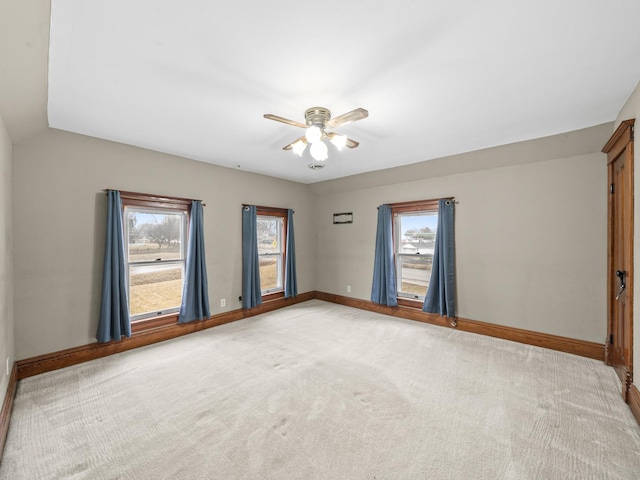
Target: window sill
154,322
273,296
408,302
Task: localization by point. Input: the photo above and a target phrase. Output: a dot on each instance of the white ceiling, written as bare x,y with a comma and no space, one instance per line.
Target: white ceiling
194,77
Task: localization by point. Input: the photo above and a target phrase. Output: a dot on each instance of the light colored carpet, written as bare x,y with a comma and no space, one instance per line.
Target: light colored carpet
322,391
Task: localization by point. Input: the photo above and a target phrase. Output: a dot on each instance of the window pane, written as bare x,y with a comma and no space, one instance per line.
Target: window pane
414,272
415,243
155,288
418,232
269,234
270,251
270,272
155,234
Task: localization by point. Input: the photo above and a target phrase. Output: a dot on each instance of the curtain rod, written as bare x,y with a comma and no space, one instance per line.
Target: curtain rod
106,190
449,201
246,205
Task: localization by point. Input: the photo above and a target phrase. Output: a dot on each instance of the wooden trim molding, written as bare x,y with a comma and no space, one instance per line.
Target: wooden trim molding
620,138
283,214
415,206
408,313
634,401
148,199
574,346
72,356
626,379
553,342
7,406
153,322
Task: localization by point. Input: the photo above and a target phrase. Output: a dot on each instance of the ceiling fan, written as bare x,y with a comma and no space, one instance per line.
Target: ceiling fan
318,120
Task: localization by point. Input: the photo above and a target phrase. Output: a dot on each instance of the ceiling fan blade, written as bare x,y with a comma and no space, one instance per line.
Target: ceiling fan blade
290,146
284,120
352,116
351,143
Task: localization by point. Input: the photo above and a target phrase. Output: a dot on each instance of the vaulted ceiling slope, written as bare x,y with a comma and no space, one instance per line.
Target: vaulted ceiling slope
24,48
194,79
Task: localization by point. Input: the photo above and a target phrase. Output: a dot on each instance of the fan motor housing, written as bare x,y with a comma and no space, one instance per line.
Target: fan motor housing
317,116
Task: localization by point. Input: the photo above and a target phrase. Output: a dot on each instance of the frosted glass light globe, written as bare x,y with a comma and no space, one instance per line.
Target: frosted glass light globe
298,147
319,151
339,141
314,134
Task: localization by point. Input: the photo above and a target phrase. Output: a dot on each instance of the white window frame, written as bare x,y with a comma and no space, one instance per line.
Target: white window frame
181,262
398,210
279,214
161,205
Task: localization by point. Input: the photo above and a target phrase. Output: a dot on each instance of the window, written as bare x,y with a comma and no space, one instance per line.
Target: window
155,232
272,232
414,235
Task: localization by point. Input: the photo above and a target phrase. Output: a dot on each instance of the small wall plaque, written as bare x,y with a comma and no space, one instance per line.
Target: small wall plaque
339,218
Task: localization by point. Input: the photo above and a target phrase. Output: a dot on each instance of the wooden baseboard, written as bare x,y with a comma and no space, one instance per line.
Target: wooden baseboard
72,356
7,406
582,348
401,311
633,399
545,340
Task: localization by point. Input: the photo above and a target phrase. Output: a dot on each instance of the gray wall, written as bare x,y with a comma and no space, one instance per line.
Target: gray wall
6,258
631,109
59,216
530,238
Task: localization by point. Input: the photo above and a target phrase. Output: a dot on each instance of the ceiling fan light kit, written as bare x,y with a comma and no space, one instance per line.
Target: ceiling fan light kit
339,141
314,134
318,120
298,146
319,151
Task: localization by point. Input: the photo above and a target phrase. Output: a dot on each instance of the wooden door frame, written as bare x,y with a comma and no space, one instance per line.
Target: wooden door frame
621,143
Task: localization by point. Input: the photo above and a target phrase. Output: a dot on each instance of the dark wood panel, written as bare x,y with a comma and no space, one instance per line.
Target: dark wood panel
72,356
619,342
7,406
553,342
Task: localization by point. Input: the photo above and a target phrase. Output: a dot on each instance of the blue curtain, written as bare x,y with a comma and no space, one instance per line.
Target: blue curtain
195,290
251,293
290,279
384,290
441,296
114,311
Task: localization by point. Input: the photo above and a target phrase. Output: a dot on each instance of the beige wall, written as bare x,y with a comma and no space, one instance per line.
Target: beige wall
6,258
59,219
631,109
530,238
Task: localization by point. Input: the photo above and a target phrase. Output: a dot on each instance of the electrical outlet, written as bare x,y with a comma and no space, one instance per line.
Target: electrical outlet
348,288
223,303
